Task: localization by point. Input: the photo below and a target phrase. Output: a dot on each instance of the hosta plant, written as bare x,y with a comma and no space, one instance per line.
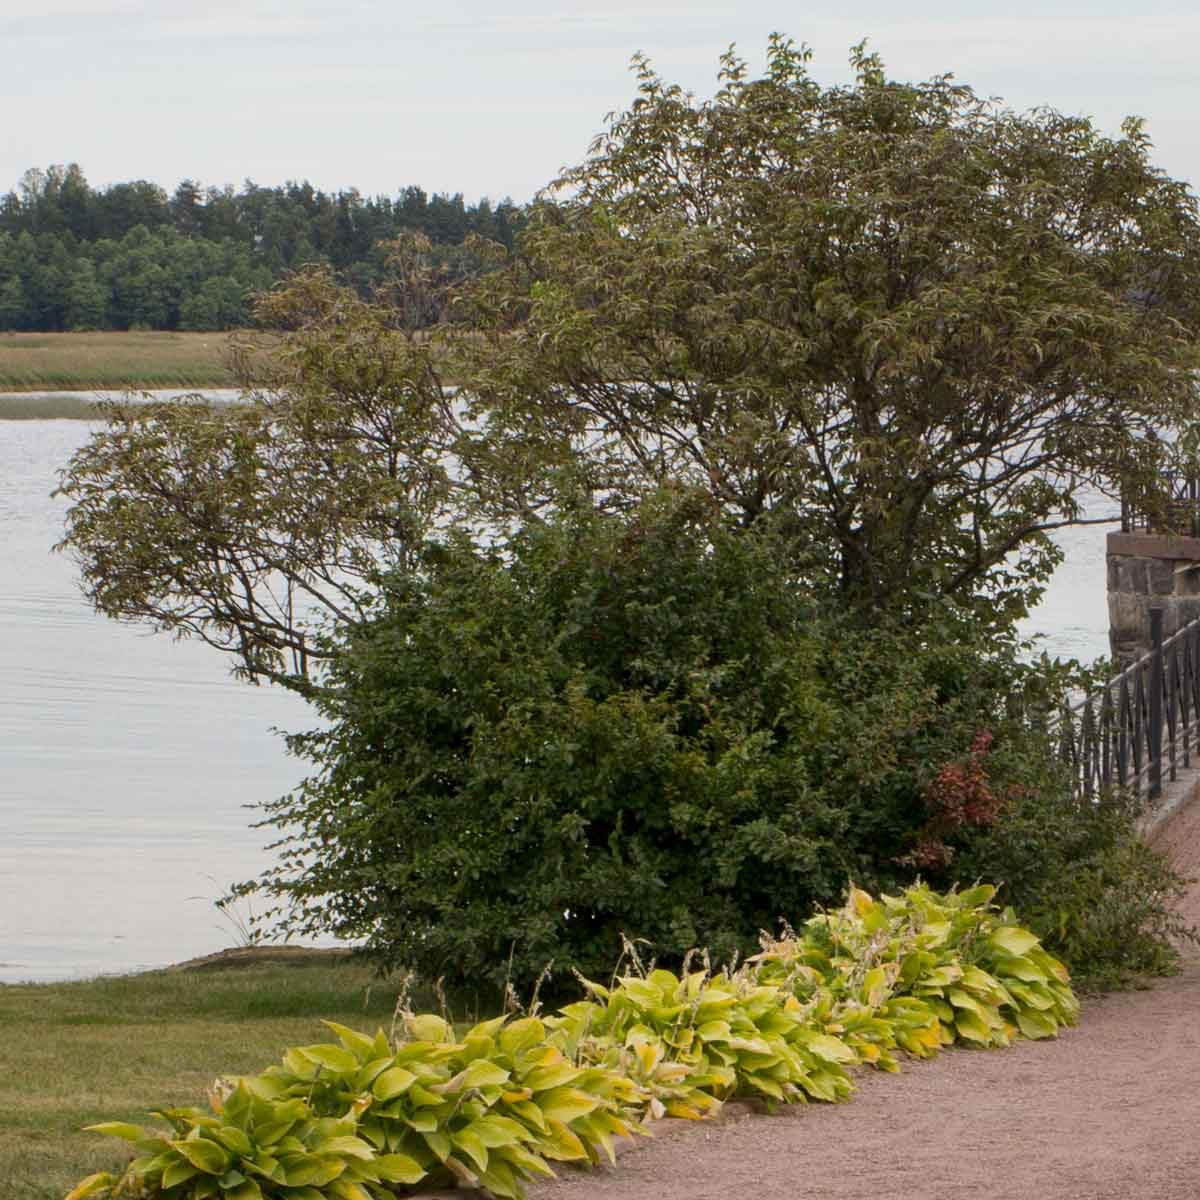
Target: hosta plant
490,1108
361,1117
249,1148
701,1038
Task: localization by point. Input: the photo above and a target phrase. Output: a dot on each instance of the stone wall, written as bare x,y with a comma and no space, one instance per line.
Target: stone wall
1150,570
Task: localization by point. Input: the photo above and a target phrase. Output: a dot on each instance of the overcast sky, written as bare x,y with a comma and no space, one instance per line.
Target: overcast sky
494,98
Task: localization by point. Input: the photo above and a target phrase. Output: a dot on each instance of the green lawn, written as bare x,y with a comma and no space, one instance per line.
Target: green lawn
111,1049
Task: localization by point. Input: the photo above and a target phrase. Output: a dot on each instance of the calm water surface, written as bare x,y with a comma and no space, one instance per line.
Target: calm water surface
127,761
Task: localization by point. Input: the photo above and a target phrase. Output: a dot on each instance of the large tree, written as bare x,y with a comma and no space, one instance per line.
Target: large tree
901,324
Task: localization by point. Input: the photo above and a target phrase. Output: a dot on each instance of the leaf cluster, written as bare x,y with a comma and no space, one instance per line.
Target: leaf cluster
357,1119
645,725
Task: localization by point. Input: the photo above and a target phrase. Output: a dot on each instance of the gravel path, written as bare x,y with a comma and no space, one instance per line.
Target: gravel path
1109,1111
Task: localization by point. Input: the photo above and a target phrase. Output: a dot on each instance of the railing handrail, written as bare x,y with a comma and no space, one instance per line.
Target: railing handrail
1137,664
1141,724
1181,493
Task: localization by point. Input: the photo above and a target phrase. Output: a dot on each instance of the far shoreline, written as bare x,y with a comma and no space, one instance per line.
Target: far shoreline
132,360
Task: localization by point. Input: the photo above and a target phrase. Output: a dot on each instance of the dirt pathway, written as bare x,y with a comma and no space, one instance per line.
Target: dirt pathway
1110,1111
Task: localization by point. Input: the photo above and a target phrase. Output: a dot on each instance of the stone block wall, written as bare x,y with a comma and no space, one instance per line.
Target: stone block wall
1150,570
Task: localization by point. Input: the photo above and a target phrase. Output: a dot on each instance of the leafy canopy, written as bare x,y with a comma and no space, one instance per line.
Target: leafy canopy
901,325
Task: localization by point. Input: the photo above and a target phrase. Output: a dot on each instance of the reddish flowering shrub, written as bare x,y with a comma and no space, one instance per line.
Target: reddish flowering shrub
957,797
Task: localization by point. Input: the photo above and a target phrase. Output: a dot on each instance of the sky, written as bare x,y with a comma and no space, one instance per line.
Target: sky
493,99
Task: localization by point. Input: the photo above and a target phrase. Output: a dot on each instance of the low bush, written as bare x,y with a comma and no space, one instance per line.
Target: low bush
1085,880
647,726
489,1107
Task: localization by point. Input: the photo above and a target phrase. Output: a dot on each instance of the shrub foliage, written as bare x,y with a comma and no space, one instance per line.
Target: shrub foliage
648,727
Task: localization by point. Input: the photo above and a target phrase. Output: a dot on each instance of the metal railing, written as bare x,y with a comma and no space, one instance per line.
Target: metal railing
1142,726
1175,509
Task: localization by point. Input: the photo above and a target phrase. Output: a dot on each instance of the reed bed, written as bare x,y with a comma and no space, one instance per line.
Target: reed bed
55,362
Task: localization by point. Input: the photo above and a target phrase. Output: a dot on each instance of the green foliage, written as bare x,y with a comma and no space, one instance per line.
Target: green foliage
126,256
1100,897
350,1119
901,324
909,318
982,976
694,1039
868,340
247,1148
495,1105
639,726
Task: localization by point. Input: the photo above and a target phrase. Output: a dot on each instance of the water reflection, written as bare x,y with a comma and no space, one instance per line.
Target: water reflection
126,760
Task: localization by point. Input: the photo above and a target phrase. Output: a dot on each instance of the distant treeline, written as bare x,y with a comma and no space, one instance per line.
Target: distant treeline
129,256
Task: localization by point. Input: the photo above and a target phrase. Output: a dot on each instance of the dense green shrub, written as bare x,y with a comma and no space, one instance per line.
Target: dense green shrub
644,726
1097,894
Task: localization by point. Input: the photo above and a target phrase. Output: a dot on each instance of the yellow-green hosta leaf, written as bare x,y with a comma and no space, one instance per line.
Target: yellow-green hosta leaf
486,1029
399,1168
472,1146
427,1027
521,1035
1018,967
331,1057
821,1085
1031,996
347,1145
495,1131
941,977
529,1110
266,1166
565,1104
764,1084
1050,964
438,1142
481,1073
246,1190
964,1000
976,896
500,1180
560,1143
542,1079
272,1132
831,1049
371,1070
180,1171
208,1155
93,1185
972,1027
361,1046
1014,940
311,1170
525,1160
1036,1024
395,1081
118,1129
347,1189
713,1008
234,1139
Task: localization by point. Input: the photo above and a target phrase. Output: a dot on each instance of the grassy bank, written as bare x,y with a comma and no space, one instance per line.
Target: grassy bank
49,362
76,1053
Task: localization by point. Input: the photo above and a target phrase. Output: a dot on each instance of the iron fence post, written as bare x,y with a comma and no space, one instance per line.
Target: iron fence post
1155,739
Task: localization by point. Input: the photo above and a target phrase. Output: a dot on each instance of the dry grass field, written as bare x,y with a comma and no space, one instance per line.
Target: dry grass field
50,362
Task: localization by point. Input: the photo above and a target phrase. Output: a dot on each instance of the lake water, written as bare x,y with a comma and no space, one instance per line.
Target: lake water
128,761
